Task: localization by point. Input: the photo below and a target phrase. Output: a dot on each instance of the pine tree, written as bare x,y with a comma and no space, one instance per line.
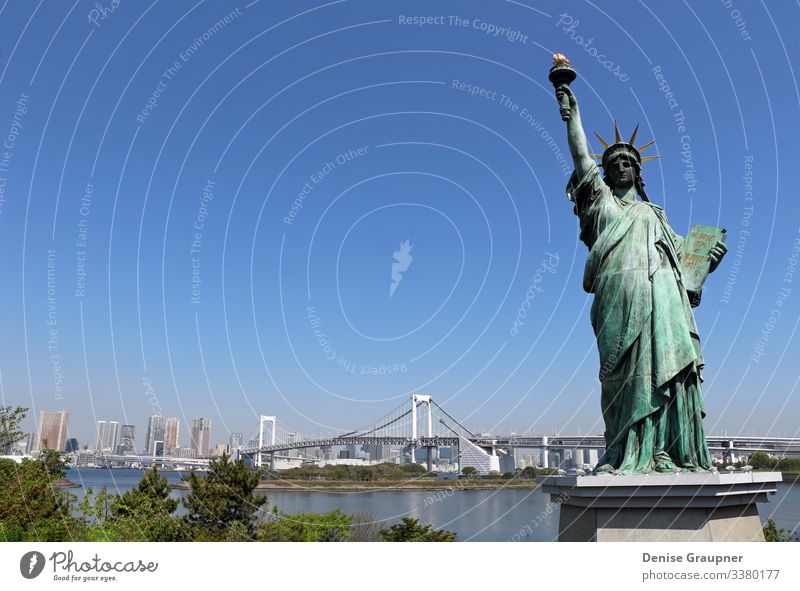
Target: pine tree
152,493
222,505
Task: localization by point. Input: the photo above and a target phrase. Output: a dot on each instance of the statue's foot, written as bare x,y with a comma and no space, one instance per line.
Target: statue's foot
604,469
664,467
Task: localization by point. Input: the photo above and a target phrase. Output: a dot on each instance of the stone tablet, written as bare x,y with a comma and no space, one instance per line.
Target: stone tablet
695,260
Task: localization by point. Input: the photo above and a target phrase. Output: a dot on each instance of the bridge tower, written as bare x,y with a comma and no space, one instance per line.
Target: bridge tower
416,400
271,420
545,461
729,455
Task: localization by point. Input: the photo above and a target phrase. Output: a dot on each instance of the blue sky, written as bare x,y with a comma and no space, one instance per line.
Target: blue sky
281,153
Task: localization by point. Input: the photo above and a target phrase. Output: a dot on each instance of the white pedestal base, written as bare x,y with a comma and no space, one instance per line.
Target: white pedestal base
661,507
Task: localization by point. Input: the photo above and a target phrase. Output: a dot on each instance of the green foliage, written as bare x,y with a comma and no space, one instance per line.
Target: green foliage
10,419
409,530
773,534
306,527
222,505
31,507
366,473
469,471
142,514
151,495
51,459
762,461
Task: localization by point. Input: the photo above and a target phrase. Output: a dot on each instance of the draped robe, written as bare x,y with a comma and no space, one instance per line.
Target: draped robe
647,338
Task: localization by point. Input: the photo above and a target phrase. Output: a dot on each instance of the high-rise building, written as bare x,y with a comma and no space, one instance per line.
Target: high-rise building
107,436
163,430
51,430
201,436
236,441
127,440
171,433
72,445
155,432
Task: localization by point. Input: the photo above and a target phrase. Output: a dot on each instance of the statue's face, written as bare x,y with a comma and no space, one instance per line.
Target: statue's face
621,172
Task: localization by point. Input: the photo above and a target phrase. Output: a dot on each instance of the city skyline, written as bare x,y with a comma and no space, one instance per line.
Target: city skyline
162,425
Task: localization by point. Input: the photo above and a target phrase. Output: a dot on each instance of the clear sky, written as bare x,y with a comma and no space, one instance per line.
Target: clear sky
201,202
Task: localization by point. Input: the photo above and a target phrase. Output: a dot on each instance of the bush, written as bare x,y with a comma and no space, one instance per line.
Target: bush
32,508
306,527
409,530
773,534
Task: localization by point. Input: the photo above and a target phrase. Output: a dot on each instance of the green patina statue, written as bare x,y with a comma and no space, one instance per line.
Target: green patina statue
650,359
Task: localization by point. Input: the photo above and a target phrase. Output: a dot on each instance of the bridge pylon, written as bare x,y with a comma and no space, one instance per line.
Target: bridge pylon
416,400
271,419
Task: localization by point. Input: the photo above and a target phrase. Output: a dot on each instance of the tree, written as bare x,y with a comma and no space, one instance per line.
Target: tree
152,493
221,506
144,513
761,461
469,471
10,419
773,534
52,462
31,508
409,530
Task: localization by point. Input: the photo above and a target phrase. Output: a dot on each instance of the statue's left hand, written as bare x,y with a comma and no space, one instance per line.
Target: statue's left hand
716,255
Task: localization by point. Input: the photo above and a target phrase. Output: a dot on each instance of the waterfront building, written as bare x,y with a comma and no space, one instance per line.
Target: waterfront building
201,436
219,450
182,452
161,429
106,436
51,430
171,433
71,446
127,440
86,457
236,441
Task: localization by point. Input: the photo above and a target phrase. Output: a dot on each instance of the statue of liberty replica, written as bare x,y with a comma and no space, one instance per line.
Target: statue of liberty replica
639,272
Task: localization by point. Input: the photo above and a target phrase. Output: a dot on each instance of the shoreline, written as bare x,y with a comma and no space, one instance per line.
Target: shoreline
377,486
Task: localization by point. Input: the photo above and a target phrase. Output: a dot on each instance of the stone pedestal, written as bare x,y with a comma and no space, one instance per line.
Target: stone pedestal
661,507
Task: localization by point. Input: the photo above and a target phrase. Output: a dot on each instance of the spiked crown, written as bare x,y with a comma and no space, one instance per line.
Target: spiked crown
620,147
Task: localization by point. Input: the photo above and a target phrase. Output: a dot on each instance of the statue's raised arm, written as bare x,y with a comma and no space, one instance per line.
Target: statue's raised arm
578,146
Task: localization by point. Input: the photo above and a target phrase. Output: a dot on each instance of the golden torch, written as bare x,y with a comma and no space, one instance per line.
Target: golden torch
562,72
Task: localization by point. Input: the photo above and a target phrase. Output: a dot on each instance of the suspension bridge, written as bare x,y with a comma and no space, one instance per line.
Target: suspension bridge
422,427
